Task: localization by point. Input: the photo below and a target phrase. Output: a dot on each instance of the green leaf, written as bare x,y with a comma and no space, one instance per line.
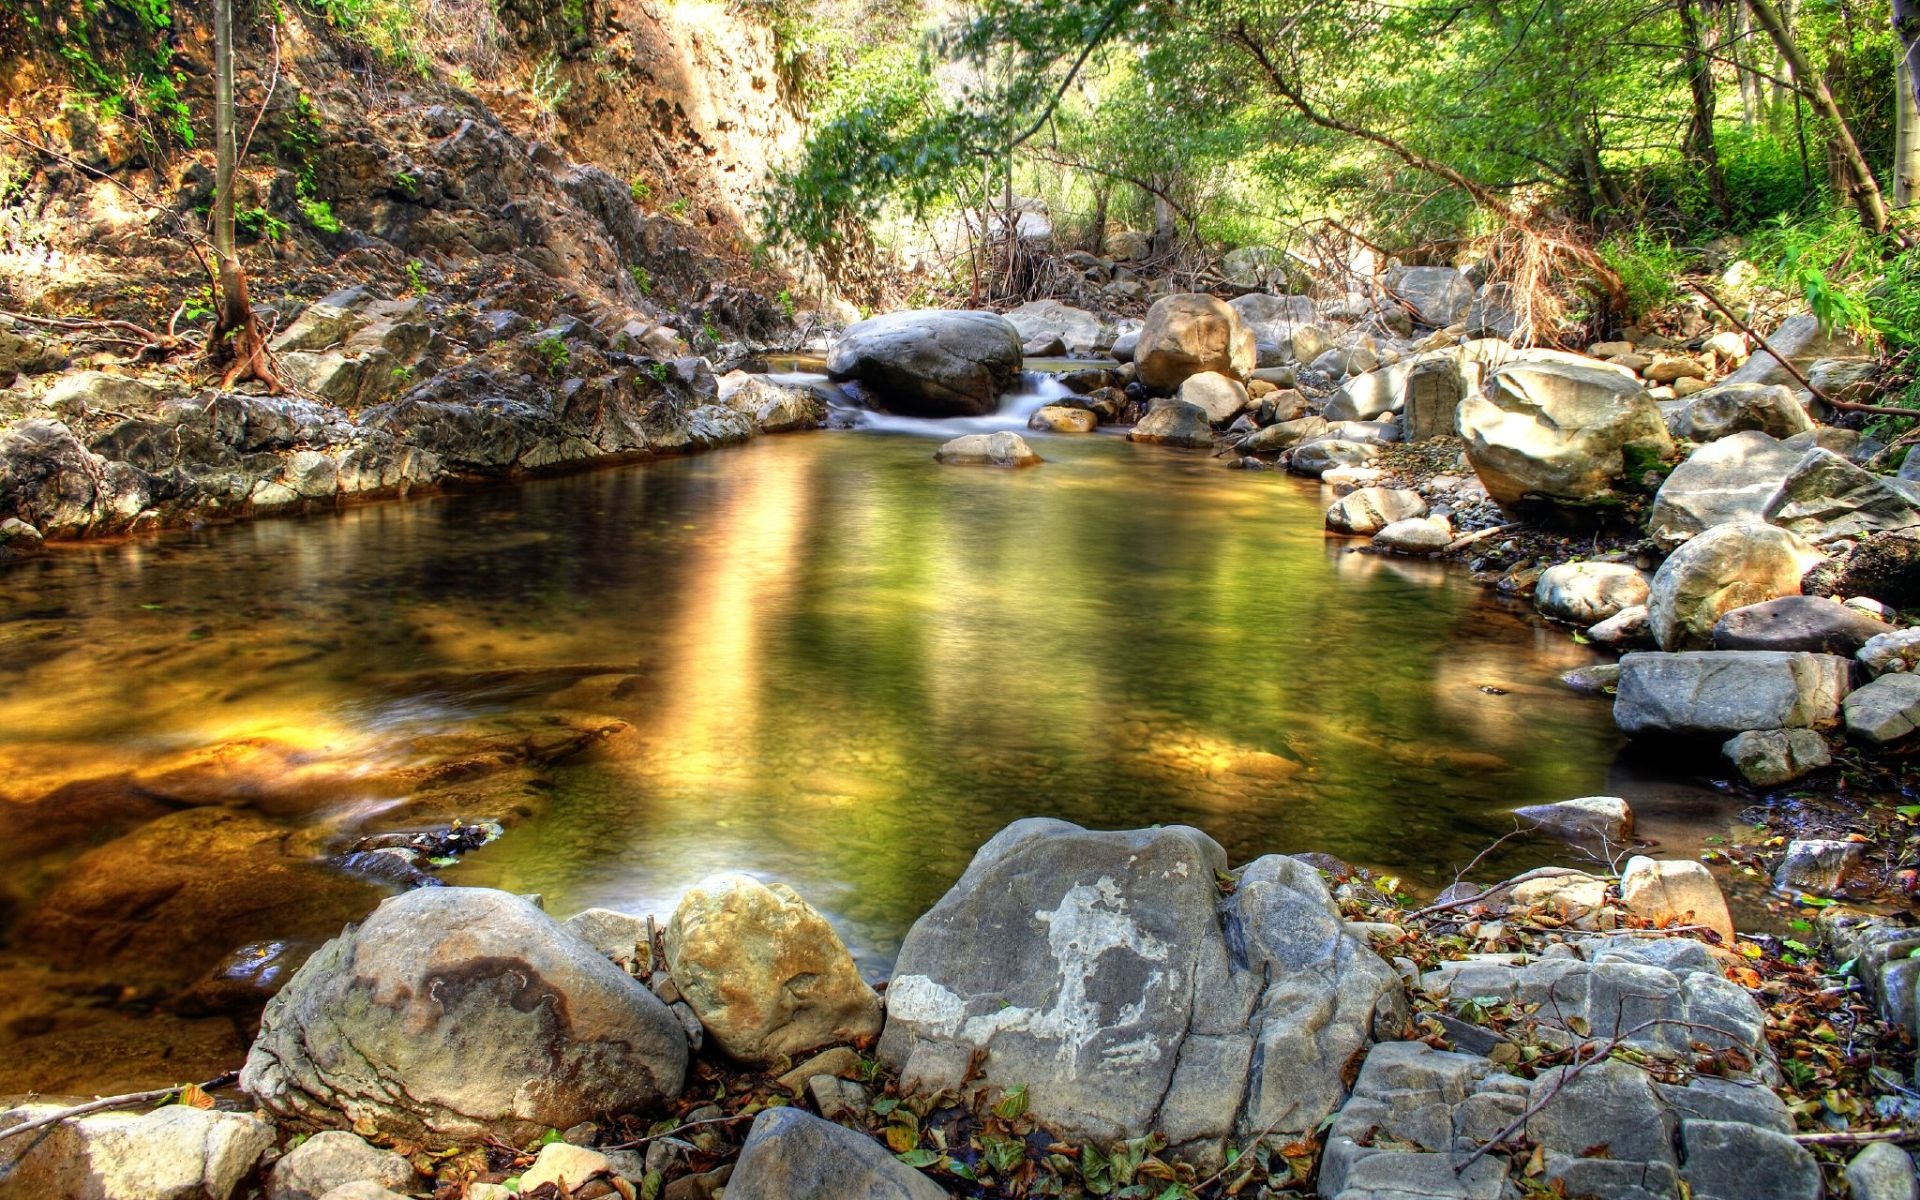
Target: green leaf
1013,1104
920,1158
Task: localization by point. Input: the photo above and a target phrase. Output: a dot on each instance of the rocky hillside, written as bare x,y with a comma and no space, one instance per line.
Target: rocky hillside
524,259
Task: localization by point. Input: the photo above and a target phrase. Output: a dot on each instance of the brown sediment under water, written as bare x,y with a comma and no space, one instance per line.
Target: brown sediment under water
819,658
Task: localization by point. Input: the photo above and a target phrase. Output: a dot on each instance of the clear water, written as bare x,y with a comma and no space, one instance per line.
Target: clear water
843,666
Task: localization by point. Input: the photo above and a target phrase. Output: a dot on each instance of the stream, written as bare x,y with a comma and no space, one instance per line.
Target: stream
820,658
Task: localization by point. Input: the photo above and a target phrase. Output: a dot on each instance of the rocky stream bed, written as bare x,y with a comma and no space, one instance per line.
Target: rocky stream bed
1083,1013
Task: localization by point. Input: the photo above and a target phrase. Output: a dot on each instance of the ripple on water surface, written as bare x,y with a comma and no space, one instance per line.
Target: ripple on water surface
839,665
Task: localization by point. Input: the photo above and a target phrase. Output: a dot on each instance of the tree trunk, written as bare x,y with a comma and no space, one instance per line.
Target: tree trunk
1906,134
1097,236
238,340
1740,35
1860,182
1700,148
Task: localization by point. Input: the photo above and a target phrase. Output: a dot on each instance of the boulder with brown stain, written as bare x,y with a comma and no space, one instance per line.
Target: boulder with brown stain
764,972
456,1014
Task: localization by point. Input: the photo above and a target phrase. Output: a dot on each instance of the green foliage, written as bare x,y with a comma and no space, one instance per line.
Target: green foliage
553,354
118,55
545,87
642,190
416,278
787,303
642,279
1829,260
319,214
260,224
679,206
387,27
660,372
1647,265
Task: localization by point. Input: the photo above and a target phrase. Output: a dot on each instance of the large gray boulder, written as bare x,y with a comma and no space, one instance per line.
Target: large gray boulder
1826,498
173,1153
1190,333
1222,396
455,1014
1045,320
1370,395
1802,341
55,484
793,1155
1886,709
1430,397
1544,433
1264,308
1728,480
1724,692
1106,973
1738,407
930,362
1727,567
1438,296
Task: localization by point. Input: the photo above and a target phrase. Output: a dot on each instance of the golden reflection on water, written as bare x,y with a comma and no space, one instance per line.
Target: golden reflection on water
837,663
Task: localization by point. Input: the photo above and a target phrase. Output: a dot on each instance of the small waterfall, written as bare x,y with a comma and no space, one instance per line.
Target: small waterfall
1034,391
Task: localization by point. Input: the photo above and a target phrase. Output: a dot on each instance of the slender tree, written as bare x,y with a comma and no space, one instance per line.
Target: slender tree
1857,175
239,343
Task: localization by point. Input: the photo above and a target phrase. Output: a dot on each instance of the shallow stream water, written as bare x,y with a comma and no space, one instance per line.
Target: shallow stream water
837,663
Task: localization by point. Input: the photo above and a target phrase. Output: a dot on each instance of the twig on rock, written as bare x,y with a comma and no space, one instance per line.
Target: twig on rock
126,1100
1462,543
654,1137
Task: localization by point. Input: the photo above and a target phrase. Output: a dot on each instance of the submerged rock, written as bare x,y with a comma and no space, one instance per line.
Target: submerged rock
764,972
455,1014
1001,449
1138,998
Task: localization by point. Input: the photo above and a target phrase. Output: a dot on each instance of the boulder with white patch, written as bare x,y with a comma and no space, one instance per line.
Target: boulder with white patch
1106,973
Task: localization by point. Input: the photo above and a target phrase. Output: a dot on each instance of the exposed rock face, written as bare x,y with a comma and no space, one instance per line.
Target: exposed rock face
1725,692
1722,482
1589,592
792,1155
1738,407
1430,400
1826,498
1727,567
1077,330
764,972
1002,449
1885,567
772,407
54,483
172,1153
1550,434
1190,333
1105,972
1175,423
930,362
454,1014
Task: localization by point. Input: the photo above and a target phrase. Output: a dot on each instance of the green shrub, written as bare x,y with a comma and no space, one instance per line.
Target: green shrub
1648,265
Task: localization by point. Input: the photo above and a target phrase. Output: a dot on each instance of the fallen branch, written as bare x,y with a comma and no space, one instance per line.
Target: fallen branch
104,1103
165,341
1857,1139
1462,543
733,1120
1481,897
1843,405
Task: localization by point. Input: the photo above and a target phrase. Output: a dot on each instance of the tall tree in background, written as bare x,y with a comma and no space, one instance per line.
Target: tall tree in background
1860,184
239,343
1906,128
